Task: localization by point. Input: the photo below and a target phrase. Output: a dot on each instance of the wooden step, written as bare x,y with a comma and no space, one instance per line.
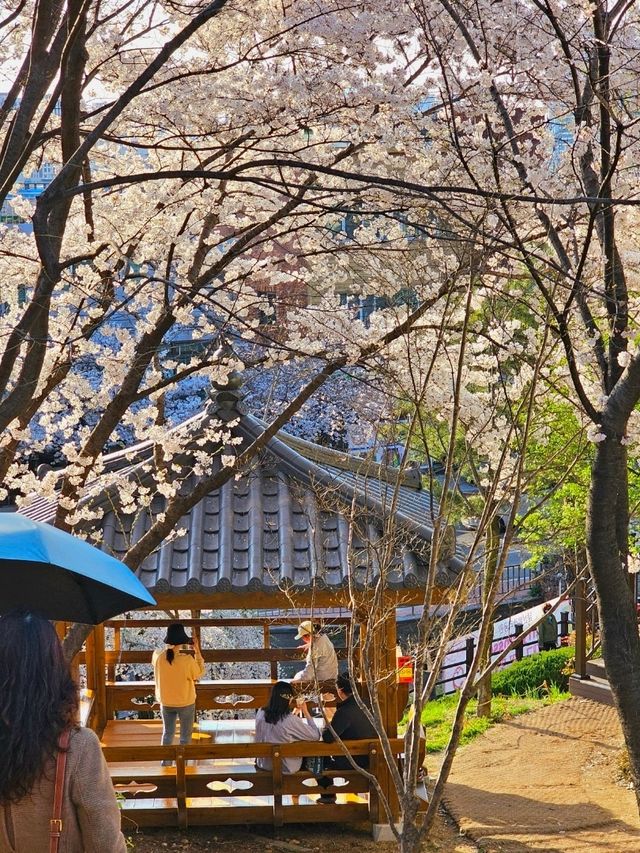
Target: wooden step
595,667
594,688
216,811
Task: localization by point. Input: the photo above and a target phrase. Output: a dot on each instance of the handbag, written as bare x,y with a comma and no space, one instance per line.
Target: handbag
55,824
314,764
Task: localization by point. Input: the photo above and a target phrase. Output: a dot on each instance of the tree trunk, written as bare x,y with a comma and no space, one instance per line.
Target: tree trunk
492,546
606,552
484,689
410,838
72,643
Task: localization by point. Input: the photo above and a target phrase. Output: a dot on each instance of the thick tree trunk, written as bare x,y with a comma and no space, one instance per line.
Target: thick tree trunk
73,642
606,552
410,838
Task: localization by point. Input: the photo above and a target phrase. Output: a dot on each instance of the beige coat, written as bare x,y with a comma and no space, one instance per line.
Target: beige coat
90,815
321,662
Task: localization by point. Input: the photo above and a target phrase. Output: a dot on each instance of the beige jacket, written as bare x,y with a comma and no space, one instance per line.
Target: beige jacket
90,814
321,662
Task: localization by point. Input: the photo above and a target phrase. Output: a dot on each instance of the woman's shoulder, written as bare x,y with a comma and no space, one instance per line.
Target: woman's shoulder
84,740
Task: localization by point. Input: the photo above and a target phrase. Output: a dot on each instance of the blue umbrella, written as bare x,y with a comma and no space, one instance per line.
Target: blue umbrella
62,577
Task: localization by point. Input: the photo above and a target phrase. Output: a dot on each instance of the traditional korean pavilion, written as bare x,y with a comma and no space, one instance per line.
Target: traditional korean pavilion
302,528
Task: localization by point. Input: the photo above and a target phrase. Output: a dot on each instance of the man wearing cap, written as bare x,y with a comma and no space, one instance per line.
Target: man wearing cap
176,671
321,661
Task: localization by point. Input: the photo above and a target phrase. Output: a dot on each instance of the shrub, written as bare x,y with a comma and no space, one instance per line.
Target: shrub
534,674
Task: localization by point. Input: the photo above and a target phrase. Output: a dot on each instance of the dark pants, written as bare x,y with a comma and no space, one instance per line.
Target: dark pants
547,647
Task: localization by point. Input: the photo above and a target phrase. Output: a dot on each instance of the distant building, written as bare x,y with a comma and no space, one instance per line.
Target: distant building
28,186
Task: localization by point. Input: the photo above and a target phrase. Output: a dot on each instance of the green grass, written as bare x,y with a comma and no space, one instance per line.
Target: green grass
437,716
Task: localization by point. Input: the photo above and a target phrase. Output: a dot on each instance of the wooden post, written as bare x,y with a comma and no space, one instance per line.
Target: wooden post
181,788
386,687
266,643
195,614
581,629
374,799
469,653
517,630
100,676
391,671
276,764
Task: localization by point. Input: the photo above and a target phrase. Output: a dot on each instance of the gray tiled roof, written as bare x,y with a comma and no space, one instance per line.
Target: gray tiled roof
286,522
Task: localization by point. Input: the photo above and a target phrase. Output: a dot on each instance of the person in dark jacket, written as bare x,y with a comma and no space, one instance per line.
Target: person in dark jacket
548,631
349,723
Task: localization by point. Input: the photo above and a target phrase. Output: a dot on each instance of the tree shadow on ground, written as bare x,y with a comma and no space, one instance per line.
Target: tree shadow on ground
513,823
521,726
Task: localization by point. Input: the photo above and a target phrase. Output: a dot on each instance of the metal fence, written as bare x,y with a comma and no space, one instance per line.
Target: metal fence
515,585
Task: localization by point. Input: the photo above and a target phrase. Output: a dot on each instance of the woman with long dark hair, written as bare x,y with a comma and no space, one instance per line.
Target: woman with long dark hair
176,670
275,723
38,702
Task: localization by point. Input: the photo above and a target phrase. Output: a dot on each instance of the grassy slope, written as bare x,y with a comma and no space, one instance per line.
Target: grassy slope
438,715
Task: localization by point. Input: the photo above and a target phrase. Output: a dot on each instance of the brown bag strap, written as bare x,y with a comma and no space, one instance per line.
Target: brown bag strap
55,825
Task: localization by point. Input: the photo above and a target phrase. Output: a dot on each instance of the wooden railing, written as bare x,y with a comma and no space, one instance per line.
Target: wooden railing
232,790
232,695
265,654
452,674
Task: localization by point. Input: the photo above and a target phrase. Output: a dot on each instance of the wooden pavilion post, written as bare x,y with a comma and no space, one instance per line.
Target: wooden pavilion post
100,675
386,687
90,661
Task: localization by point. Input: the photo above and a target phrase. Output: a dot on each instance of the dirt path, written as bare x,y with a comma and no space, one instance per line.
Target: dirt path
303,838
547,781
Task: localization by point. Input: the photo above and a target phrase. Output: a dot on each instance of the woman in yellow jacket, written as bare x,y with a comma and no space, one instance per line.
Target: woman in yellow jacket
176,671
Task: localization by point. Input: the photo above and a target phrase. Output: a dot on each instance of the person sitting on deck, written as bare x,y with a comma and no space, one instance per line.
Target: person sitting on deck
348,723
322,661
175,671
275,723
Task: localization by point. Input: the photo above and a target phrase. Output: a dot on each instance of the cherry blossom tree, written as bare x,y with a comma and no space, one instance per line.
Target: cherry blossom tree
526,134
212,158
576,66
463,388
153,234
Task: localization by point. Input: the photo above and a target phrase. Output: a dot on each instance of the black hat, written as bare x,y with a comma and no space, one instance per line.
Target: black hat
176,635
